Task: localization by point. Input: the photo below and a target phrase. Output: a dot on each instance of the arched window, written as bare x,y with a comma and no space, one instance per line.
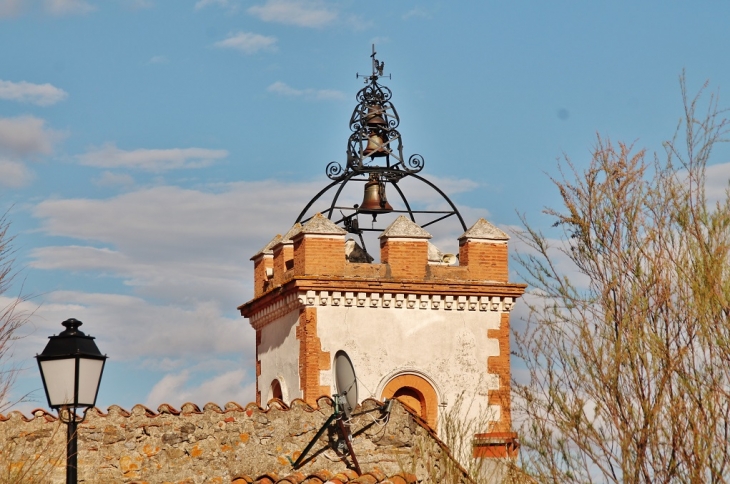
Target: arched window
275,390
417,393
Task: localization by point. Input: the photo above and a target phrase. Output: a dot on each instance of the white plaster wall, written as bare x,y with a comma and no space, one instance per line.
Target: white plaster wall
449,347
279,356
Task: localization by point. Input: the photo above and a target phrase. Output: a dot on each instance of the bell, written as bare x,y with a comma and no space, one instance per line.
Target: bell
376,146
374,201
375,116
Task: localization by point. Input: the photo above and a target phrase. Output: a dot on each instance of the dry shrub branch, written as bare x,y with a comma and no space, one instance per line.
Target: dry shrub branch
628,351
12,318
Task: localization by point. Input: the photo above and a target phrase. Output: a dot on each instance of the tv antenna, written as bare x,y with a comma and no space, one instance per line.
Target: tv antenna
345,402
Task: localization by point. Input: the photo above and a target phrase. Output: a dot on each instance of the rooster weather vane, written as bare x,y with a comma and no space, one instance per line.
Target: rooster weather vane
375,157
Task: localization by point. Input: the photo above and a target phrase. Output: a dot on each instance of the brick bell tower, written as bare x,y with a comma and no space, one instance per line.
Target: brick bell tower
427,328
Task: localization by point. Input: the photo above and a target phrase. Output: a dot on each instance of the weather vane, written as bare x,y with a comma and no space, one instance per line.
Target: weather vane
377,69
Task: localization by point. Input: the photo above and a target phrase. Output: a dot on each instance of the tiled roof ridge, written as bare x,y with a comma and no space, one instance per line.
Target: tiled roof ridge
324,402
374,476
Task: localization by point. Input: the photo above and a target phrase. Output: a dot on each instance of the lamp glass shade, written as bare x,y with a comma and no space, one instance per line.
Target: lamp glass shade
59,377
89,380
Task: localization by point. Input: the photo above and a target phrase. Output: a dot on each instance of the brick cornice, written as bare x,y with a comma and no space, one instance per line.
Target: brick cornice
373,293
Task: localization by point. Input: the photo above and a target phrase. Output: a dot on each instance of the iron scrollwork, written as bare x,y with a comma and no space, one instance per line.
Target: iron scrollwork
334,170
375,153
414,164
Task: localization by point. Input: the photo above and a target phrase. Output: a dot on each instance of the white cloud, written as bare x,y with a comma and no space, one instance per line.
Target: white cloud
158,59
109,178
14,174
283,89
248,43
295,12
172,243
10,8
177,389
205,3
138,4
26,135
716,185
67,7
416,12
134,329
40,94
156,160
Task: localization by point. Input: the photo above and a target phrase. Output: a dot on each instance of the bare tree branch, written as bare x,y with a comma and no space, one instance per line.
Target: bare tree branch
630,366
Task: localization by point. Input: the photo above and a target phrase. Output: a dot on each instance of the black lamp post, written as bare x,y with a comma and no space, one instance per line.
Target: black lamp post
71,366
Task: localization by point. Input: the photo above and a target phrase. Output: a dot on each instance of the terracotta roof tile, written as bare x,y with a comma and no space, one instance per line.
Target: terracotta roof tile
295,478
372,477
189,407
313,480
346,476
242,480
365,479
168,409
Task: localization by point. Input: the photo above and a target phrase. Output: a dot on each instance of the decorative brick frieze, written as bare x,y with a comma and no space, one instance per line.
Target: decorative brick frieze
275,310
432,302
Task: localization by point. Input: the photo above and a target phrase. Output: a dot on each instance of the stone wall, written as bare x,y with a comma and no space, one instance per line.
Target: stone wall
217,445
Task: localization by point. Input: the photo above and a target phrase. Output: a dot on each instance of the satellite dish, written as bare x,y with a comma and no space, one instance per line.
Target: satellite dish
345,382
345,402
449,259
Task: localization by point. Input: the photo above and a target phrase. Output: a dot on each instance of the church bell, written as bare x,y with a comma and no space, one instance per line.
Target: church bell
374,117
376,146
375,201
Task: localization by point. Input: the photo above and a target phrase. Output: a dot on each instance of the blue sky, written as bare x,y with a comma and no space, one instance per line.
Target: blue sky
148,148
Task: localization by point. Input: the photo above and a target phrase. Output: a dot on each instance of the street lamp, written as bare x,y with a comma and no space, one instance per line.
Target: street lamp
71,367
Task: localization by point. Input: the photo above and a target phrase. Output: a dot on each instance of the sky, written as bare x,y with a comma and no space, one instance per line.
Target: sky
149,148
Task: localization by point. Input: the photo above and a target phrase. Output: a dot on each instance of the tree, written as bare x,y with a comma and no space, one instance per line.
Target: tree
11,317
628,351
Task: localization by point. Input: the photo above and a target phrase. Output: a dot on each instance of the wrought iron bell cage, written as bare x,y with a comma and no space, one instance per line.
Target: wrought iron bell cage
375,155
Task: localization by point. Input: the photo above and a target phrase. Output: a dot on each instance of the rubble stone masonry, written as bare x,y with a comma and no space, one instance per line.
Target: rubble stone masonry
233,444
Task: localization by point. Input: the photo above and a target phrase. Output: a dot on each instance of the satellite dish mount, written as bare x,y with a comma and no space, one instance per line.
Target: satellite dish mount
345,402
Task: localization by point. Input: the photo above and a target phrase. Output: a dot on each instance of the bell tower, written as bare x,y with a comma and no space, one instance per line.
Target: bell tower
428,328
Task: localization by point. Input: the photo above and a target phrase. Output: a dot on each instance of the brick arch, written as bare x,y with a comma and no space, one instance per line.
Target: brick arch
417,393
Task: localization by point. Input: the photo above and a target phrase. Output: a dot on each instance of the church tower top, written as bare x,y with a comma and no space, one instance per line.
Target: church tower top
375,158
